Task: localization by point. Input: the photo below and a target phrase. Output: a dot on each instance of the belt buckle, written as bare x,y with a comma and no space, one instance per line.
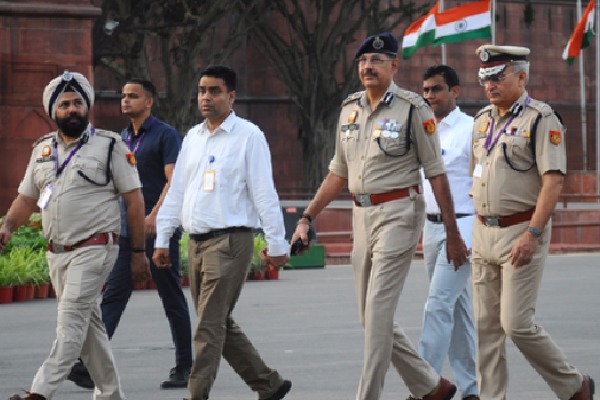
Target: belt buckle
58,248
492,221
363,199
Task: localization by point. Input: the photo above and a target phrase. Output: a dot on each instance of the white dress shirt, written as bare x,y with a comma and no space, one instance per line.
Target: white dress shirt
243,193
455,131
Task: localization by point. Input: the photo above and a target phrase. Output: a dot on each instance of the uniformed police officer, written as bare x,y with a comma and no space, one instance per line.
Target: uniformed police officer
75,176
384,135
518,164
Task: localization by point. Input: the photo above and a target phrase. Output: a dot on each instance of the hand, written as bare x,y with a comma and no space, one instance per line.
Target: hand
150,225
301,232
456,250
140,268
161,258
274,261
522,252
5,236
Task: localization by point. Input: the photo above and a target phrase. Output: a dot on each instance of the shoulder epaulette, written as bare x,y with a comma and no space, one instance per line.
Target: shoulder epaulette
486,109
543,108
108,134
40,140
412,97
352,97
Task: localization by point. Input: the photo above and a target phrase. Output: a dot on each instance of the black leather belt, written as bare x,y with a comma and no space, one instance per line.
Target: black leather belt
200,237
437,218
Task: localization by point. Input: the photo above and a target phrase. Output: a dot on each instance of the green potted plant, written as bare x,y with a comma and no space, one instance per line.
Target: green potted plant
8,279
256,268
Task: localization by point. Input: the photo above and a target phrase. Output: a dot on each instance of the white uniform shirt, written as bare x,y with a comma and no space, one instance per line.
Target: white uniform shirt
243,194
455,131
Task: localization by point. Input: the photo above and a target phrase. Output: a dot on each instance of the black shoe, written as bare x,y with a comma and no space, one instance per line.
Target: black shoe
282,391
30,396
178,378
80,376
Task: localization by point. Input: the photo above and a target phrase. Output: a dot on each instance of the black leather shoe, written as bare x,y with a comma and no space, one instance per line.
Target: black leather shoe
80,376
178,378
30,396
282,391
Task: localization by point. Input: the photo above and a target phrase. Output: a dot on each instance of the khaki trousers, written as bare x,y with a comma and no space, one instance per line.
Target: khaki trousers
218,269
504,300
78,277
385,240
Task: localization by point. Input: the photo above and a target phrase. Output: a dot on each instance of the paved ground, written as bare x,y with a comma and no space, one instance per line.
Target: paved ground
306,326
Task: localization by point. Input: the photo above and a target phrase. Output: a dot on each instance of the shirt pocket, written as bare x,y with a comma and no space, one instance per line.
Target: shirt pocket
87,167
517,153
394,143
349,141
43,174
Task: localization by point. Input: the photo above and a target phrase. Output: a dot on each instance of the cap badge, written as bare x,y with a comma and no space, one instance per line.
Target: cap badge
484,55
378,43
67,76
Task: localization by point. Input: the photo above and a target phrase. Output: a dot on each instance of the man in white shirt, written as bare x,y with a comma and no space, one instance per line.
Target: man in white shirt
448,327
222,189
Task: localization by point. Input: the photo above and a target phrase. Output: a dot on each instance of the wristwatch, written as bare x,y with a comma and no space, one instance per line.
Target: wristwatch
534,231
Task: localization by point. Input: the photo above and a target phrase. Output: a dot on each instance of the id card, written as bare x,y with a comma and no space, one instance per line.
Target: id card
478,171
208,184
45,197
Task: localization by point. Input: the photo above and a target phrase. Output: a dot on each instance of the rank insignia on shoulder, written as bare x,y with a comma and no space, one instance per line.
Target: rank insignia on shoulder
131,158
352,117
387,99
484,126
46,151
555,137
429,126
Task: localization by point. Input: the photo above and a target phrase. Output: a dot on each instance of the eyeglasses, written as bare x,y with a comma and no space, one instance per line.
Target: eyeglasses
496,78
375,60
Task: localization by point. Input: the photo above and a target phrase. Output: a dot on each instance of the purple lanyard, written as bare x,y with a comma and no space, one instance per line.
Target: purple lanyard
64,164
489,145
137,144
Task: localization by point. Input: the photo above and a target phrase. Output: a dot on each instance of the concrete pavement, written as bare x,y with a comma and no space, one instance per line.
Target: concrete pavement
306,326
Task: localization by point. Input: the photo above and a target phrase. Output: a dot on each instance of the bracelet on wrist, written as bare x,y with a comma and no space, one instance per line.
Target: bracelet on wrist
138,249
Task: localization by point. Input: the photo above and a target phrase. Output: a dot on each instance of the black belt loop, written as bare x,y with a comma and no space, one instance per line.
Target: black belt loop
201,237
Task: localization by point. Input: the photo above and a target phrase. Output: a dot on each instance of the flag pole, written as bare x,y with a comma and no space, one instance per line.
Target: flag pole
441,8
597,25
582,100
493,21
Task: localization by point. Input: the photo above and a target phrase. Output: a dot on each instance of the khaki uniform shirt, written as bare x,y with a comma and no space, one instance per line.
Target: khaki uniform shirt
77,208
363,138
500,189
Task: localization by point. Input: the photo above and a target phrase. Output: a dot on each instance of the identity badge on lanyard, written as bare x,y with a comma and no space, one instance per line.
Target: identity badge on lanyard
208,184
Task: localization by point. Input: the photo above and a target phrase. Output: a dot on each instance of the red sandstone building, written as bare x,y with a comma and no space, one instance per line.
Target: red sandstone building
41,38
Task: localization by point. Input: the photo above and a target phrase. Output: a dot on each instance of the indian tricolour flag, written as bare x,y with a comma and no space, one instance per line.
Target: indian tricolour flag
469,21
420,33
582,36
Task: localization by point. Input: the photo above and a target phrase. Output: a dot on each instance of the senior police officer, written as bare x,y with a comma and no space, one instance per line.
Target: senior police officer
518,164
75,176
384,135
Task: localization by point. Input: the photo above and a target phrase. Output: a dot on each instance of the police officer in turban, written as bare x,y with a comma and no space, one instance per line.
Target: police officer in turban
75,176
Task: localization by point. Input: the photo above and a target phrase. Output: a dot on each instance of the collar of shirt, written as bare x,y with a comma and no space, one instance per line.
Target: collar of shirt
518,105
226,126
